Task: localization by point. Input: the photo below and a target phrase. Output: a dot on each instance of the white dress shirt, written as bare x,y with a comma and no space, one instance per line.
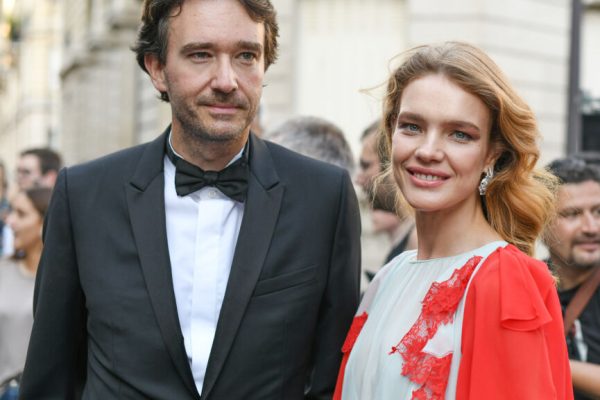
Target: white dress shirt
202,231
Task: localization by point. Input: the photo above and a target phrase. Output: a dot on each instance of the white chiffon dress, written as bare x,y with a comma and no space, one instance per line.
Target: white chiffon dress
393,305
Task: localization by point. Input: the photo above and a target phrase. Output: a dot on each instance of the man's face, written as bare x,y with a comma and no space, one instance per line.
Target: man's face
214,70
29,172
573,238
369,166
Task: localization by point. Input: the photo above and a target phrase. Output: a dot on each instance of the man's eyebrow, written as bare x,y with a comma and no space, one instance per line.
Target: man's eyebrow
570,209
197,46
254,46
242,44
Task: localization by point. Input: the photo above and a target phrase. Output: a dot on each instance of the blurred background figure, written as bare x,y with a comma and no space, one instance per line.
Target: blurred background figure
316,138
398,226
4,208
573,241
17,277
38,167
590,157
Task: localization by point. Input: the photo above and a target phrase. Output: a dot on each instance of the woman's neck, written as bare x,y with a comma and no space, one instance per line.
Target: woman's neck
32,258
449,232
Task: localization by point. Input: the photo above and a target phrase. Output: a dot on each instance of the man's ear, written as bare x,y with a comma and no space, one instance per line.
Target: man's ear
156,71
49,178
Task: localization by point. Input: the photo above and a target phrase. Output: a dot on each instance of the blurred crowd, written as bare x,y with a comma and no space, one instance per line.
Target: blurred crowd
23,205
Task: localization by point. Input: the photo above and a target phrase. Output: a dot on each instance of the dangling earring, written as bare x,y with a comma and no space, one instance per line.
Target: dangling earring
489,174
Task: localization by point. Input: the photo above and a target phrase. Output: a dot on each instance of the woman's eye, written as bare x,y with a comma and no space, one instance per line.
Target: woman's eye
461,136
411,128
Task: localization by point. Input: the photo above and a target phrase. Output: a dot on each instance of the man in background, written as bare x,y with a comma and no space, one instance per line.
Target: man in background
37,167
573,241
381,193
316,138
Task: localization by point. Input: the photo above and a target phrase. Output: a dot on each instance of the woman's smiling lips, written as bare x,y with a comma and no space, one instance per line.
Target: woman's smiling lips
426,177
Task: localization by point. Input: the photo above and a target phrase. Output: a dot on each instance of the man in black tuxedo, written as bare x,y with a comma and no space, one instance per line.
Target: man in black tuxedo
207,261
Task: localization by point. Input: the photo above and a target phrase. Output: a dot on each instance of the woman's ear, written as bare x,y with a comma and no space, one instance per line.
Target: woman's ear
494,154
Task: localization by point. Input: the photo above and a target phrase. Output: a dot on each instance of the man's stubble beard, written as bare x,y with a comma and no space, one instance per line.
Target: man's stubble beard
195,130
583,265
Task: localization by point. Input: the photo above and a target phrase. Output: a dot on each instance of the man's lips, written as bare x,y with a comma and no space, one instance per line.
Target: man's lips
223,108
587,245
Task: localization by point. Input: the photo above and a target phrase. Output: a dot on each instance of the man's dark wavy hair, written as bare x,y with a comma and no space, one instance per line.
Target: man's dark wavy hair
575,169
49,159
154,30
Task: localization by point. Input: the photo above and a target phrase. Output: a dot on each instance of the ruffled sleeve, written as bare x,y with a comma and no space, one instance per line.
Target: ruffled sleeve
513,346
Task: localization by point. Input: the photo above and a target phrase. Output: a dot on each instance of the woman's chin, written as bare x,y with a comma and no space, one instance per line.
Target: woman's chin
19,249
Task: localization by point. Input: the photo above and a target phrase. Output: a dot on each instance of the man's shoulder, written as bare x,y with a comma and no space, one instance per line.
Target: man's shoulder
117,157
121,163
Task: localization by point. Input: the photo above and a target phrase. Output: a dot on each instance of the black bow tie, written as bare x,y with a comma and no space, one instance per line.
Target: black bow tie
232,181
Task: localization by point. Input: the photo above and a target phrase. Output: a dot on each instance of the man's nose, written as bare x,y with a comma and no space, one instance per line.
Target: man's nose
225,78
360,178
590,223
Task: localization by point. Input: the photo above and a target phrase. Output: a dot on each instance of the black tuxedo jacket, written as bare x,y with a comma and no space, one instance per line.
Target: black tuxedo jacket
106,324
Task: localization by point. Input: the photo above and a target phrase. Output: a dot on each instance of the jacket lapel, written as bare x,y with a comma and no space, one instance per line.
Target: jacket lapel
260,215
145,199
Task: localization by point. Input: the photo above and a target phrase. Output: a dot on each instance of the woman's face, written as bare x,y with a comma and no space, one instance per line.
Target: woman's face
25,222
441,144
2,177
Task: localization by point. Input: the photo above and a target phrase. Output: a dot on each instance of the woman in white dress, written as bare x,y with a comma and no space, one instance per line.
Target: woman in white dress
469,314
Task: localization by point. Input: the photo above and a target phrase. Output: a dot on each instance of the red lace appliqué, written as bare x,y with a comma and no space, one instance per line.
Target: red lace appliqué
439,305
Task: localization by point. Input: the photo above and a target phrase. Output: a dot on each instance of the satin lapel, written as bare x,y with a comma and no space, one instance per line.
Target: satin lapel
260,215
145,199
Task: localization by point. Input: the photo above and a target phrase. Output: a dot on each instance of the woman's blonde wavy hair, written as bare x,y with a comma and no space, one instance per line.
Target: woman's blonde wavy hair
520,199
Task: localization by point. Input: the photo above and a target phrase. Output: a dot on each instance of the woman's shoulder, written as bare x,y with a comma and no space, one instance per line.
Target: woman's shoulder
7,263
9,270
518,283
513,265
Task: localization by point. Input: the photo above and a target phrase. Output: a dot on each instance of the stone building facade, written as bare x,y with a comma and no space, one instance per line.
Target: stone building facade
29,81
75,85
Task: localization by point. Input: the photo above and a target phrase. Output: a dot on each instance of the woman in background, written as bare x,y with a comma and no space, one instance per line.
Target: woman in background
17,277
469,314
4,206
